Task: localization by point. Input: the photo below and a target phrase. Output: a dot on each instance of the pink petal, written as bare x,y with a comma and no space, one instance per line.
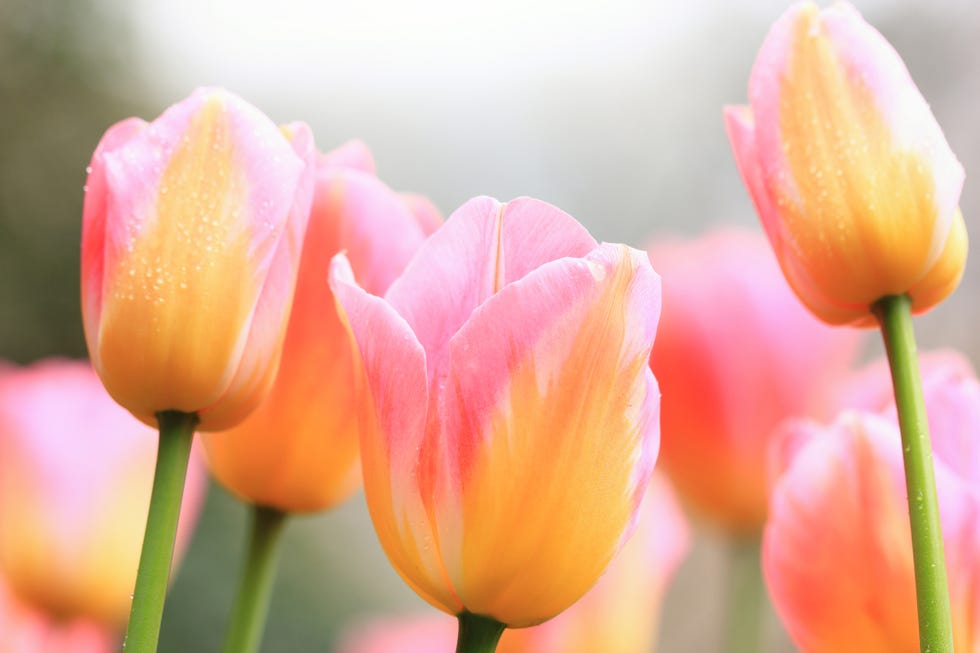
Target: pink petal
531,395
267,325
484,246
353,154
393,420
94,226
426,213
380,234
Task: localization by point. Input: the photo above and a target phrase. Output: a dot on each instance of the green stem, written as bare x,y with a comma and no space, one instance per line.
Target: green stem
746,597
478,634
932,596
146,614
255,589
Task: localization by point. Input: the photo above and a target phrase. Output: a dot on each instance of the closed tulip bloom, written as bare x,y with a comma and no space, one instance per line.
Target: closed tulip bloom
837,553
75,478
851,175
191,236
27,630
511,418
298,451
727,383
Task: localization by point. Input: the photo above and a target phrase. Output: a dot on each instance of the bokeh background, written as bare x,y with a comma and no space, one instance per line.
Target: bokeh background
610,109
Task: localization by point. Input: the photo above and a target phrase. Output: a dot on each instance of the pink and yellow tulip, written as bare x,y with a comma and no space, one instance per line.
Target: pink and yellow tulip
731,329
191,237
837,553
619,615
510,418
851,175
75,477
298,452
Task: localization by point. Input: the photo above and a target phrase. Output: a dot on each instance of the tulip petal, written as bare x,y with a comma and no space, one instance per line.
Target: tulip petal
379,233
353,154
266,324
426,213
393,420
954,423
483,246
94,223
549,384
740,125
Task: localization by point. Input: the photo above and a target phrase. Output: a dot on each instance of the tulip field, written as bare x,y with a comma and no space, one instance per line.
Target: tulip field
309,410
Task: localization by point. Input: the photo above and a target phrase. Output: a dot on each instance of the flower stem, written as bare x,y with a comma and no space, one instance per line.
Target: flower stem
932,596
255,590
746,597
478,634
146,614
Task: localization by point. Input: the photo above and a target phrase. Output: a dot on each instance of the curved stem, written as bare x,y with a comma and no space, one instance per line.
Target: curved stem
746,597
932,596
478,634
146,614
258,575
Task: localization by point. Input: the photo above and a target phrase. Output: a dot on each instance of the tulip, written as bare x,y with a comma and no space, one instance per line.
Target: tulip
619,614
25,630
512,422
75,477
191,236
837,553
298,451
728,382
849,171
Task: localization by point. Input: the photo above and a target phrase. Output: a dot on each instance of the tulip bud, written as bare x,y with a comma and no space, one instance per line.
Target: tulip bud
850,173
191,236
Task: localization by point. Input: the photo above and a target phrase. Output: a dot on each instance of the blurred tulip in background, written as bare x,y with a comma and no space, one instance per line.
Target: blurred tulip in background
75,478
29,630
837,552
735,355
298,452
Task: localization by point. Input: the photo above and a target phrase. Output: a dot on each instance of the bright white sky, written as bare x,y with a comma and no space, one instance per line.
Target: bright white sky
387,40
274,44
